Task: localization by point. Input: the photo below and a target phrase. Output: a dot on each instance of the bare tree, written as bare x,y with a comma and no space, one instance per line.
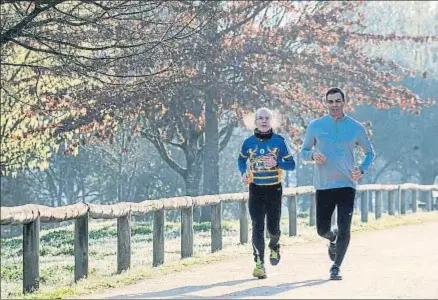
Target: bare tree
69,65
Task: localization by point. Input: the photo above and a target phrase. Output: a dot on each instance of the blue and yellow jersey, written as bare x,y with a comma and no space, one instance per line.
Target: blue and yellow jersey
254,149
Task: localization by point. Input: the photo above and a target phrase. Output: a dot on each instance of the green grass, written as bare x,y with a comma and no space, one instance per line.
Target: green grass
57,252
57,263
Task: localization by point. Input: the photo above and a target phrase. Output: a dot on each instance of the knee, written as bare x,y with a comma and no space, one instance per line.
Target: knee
258,226
275,234
323,232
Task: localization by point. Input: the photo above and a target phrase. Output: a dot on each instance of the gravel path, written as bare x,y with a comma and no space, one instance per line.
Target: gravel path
400,262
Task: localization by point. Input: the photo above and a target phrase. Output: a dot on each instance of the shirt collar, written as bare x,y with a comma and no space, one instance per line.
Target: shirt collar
343,118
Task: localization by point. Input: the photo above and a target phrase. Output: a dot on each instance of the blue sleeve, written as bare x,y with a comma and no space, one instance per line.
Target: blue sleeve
243,156
309,142
364,142
285,159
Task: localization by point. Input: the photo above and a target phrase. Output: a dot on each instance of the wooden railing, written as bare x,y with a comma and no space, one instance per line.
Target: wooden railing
31,215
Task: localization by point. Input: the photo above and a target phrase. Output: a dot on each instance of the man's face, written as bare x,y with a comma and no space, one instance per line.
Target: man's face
335,103
263,121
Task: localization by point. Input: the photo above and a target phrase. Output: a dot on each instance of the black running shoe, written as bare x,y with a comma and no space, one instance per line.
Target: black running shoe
274,258
335,273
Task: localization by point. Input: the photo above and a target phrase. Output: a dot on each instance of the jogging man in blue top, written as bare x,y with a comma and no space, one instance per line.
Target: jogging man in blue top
268,155
329,142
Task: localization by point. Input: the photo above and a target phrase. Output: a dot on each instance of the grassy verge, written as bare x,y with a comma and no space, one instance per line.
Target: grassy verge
57,267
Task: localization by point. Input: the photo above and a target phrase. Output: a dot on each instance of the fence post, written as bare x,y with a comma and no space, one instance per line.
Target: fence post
391,204
397,200
402,196
81,247
187,232
312,215
429,201
292,210
434,201
123,243
216,227
243,206
370,195
357,205
385,201
364,206
378,209
31,256
158,238
414,200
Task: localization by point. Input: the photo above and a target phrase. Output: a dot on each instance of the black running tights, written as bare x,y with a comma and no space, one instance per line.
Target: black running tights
326,201
265,201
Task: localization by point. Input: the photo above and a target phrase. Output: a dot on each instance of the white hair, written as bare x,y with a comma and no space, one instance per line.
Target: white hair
265,109
248,119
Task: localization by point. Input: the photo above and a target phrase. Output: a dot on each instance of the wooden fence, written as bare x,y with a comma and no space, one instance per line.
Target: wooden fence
31,215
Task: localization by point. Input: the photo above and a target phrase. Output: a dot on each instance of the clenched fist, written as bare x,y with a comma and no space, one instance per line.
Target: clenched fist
318,157
356,173
246,178
269,161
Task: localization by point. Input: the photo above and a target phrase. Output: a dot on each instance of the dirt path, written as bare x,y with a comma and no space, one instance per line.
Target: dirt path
400,262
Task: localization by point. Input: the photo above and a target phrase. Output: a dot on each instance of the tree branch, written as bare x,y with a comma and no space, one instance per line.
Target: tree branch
159,145
15,30
250,17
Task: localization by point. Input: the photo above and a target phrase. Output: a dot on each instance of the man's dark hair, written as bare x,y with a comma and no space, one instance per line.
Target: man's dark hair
335,90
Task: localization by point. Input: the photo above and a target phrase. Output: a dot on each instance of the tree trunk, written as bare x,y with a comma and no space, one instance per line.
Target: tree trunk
192,187
211,153
193,149
427,176
69,189
120,169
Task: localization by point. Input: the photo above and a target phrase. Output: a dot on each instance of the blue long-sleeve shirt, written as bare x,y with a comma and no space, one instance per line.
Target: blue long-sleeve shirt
254,149
336,140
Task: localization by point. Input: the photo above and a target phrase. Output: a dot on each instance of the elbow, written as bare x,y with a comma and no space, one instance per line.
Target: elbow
306,156
291,167
292,164
288,165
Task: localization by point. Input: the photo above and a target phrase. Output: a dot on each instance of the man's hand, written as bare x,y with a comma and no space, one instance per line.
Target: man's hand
245,178
356,173
318,157
269,161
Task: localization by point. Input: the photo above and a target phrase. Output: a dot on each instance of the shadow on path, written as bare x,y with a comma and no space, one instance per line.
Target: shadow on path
181,292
